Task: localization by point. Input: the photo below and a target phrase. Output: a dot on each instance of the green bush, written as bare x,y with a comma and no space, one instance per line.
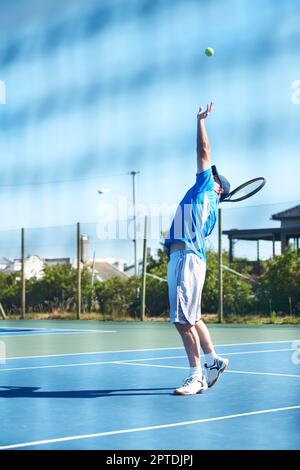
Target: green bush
279,282
238,296
118,298
10,291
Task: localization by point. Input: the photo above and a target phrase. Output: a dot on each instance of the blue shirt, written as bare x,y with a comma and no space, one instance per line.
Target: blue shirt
196,215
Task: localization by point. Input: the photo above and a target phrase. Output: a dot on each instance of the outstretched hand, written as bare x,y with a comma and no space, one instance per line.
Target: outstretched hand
203,114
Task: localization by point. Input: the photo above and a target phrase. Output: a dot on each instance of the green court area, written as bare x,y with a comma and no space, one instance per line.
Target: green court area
34,338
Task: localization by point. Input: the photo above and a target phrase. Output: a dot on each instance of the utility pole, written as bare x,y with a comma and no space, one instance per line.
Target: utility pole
133,174
93,268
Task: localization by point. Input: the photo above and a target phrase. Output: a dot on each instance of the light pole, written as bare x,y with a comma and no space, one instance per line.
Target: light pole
133,174
106,190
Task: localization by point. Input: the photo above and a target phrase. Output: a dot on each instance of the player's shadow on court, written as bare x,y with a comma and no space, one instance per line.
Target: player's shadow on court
35,392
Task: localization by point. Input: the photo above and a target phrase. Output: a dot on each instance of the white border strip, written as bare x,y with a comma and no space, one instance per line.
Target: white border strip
147,349
146,428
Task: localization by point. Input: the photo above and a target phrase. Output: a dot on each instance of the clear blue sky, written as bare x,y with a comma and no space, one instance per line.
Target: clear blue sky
96,91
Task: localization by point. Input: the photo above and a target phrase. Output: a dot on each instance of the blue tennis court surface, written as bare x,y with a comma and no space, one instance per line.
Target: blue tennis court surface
124,400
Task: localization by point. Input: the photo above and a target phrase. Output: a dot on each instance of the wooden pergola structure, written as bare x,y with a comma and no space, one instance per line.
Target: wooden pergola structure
289,229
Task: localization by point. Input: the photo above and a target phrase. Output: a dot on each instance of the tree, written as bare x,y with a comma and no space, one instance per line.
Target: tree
117,297
157,303
281,281
10,291
238,293
57,288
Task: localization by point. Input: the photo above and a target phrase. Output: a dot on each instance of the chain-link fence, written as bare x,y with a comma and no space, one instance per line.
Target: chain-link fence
40,272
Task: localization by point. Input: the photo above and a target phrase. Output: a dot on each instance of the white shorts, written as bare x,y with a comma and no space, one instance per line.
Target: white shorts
186,276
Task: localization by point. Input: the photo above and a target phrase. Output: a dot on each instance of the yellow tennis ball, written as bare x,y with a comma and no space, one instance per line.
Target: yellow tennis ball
209,51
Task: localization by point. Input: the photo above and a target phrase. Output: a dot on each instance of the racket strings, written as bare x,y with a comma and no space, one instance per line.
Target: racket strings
246,190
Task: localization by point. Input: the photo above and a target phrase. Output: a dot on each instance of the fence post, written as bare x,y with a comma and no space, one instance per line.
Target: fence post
143,296
2,312
78,306
291,306
220,272
23,280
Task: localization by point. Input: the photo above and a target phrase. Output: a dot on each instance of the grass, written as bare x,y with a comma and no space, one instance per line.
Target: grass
273,319
67,316
257,319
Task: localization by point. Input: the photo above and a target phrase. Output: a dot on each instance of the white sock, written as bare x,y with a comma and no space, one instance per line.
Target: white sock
210,358
196,371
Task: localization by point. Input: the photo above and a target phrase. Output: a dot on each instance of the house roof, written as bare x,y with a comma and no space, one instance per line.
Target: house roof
6,260
57,260
262,233
292,213
106,270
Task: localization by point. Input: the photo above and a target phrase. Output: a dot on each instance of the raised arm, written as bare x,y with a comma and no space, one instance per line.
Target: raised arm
203,145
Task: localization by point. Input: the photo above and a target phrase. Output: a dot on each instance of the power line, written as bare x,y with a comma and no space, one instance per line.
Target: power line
41,183
263,204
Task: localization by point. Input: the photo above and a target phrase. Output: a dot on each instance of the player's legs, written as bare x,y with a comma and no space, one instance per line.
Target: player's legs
204,338
184,272
214,364
195,382
191,343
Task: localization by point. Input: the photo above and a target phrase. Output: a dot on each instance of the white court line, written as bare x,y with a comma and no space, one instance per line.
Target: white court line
147,428
227,371
28,328
260,352
144,365
121,363
277,374
238,353
56,366
147,349
52,332
136,361
95,352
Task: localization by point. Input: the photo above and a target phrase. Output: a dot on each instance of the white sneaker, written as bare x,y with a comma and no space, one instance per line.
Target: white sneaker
213,372
192,385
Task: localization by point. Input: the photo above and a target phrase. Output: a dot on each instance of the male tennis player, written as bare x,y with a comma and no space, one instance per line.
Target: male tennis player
194,220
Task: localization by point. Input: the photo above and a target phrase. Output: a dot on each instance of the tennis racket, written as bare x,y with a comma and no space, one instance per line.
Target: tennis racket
245,190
